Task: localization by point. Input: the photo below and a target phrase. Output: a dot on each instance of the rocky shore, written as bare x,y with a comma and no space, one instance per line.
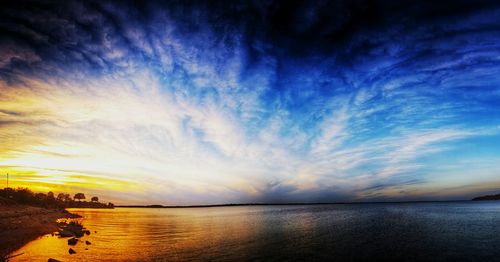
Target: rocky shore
20,224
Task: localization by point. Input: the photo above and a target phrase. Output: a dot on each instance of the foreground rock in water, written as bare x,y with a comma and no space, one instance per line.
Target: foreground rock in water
72,241
71,251
65,233
71,229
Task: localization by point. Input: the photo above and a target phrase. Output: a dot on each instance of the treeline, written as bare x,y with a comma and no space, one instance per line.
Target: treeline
489,197
50,200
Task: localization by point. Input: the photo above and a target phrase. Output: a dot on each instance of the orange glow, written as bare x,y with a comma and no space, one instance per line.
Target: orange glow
140,233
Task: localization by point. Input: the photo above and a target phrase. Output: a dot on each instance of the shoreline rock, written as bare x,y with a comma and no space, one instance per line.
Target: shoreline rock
72,241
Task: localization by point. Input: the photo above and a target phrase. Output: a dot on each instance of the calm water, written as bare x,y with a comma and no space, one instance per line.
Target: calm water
466,231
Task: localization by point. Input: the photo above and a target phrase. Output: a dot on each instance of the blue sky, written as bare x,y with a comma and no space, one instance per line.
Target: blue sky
190,103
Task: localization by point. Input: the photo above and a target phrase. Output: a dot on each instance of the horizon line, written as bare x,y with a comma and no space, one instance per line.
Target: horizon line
289,204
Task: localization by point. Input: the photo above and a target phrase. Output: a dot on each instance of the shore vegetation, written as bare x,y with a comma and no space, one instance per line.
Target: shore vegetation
63,200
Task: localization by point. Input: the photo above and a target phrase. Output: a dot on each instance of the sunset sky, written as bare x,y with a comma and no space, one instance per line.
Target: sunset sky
187,102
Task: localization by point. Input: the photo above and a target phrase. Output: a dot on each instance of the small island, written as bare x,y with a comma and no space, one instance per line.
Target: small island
488,197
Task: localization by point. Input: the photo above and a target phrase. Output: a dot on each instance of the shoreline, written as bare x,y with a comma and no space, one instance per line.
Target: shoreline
21,224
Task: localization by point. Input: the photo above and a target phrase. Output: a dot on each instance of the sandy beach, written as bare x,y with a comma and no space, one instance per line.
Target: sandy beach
20,224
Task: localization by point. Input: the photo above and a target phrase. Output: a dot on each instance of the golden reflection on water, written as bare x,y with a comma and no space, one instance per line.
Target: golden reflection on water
358,232
133,234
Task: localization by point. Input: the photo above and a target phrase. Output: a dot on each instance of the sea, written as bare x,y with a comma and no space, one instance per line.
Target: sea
430,231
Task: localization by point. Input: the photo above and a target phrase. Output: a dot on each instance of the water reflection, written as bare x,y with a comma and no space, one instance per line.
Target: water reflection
432,231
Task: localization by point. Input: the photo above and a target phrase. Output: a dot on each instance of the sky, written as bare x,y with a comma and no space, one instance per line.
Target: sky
191,102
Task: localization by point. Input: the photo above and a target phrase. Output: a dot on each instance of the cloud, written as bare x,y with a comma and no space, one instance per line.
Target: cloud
243,102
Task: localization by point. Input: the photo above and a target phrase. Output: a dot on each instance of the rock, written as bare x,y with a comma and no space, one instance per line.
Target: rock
87,232
71,251
66,233
53,260
72,241
87,242
75,228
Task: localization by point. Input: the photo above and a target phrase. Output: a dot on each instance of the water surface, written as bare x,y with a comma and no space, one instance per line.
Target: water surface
462,231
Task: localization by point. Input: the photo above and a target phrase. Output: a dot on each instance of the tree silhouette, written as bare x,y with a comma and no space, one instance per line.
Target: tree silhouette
27,197
63,197
60,197
79,196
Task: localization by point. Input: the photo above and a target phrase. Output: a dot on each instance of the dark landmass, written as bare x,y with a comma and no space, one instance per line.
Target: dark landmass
87,204
62,200
489,197
26,215
229,205
20,224
285,204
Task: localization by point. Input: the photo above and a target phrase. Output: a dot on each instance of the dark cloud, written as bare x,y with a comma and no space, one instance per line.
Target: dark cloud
10,113
279,192
42,35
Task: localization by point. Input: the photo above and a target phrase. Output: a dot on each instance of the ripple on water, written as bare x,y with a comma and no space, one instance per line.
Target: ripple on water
420,231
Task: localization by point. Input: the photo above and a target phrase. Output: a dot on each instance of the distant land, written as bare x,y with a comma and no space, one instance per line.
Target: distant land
285,204
488,197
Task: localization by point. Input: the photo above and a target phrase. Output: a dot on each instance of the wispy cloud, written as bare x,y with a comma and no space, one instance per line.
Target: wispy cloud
182,103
